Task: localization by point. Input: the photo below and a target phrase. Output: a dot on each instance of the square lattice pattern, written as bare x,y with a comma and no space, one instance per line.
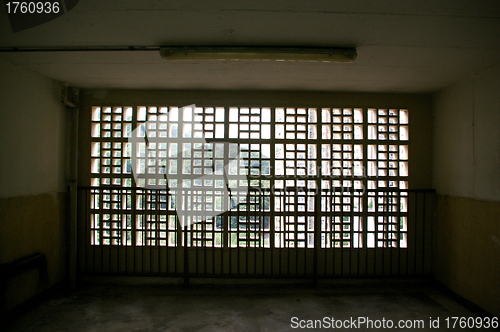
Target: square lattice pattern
296,177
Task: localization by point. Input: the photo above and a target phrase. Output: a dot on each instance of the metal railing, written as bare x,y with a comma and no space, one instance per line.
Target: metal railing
133,231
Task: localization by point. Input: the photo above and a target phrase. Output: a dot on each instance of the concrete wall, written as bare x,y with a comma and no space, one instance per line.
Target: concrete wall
466,175
32,178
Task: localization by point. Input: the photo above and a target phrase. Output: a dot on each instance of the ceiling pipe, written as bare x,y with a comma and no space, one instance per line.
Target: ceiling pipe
78,49
64,96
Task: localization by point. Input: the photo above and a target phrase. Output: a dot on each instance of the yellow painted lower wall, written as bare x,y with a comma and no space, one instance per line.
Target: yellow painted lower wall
467,249
31,224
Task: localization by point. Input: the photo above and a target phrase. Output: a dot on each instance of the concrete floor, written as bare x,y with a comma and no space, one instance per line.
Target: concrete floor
239,308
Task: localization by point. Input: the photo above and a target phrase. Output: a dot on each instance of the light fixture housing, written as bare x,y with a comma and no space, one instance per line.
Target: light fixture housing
315,54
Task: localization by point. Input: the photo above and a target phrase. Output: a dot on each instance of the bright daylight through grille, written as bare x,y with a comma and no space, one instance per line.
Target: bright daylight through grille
249,177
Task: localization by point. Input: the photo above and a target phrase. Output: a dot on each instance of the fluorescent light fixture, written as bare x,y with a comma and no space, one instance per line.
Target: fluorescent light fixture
318,54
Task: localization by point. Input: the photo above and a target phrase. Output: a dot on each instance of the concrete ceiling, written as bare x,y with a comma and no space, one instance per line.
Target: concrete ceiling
416,46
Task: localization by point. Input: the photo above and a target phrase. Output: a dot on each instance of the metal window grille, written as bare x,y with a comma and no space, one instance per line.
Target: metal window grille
332,180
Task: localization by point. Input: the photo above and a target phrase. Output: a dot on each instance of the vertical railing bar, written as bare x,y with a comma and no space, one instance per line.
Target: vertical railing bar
158,227
398,227
298,249
272,194
326,198
257,222
262,228
352,196
393,232
432,216
214,247
88,212
416,234
407,265
342,197
83,239
143,233
185,234
95,231
92,253
167,229
318,196
101,226
376,232
385,242
359,233
282,220
258,213
287,222
229,235
342,145
388,215
351,223
160,247
307,217
292,245
120,228
195,227
253,223
87,238
246,233
124,212
365,239
133,224
144,227
150,226
255,230
177,237
204,237
185,249
296,217
110,229
423,232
